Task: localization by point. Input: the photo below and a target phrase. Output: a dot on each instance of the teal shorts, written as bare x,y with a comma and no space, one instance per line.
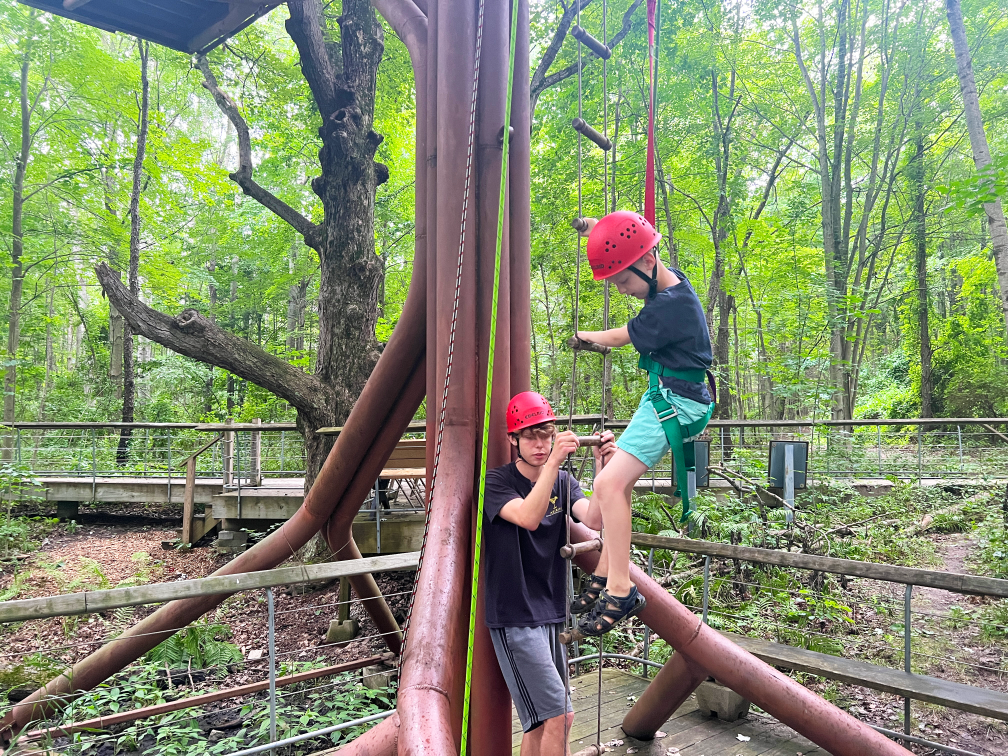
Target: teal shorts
645,439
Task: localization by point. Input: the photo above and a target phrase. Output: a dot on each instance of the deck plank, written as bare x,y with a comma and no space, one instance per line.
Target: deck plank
693,733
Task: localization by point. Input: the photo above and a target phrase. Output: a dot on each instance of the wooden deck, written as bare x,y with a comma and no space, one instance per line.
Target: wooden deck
692,733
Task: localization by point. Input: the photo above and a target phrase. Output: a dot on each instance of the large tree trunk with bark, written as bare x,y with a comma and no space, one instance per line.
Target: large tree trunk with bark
342,76
978,142
129,363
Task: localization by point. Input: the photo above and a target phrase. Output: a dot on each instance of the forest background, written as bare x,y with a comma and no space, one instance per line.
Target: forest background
768,116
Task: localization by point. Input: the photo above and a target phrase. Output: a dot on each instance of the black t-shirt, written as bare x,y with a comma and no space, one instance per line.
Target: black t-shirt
671,327
525,573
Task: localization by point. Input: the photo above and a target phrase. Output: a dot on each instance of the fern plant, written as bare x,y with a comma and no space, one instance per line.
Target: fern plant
202,644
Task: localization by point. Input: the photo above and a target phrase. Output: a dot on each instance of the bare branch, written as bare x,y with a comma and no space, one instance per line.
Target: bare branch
540,81
305,27
243,176
192,335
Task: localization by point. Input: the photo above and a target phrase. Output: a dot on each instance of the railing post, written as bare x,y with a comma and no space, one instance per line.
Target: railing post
282,468
17,432
94,462
272,665
920,453
227,455
959,434
377,517
256,454
706,587
878,433
169,464
188,501
789,495
906,654
146,447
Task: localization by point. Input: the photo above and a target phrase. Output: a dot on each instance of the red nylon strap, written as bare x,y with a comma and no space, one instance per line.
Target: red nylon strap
649,177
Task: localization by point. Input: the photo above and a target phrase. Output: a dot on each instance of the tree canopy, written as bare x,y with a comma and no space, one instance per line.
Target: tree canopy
815,184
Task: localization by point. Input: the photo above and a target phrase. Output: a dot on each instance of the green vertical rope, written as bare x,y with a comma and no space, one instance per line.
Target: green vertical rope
489,379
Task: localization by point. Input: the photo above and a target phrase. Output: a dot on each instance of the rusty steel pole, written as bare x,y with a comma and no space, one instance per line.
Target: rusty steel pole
432,669
795,705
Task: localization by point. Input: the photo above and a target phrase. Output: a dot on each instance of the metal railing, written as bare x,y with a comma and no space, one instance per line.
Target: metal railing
290,688
909,449
880,606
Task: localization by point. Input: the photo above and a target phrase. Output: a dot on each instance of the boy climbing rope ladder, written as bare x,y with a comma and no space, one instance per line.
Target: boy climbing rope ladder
670,332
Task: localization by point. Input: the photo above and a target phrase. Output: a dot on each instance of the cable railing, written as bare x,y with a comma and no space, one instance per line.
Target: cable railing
246,454
285,695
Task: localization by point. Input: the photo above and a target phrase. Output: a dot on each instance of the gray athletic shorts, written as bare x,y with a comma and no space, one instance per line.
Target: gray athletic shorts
534,663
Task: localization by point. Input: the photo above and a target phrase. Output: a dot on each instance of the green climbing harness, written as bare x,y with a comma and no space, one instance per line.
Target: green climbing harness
679,435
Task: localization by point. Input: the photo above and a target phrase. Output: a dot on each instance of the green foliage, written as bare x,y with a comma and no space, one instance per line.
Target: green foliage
301,708
202,644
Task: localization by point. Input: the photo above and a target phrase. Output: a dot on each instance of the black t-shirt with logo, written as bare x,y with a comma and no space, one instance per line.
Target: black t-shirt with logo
671,327
525,573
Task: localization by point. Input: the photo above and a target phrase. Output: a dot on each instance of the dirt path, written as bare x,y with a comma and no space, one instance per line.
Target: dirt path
953,549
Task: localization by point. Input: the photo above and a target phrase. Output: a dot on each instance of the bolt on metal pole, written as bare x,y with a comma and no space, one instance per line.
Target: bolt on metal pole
906,654
272,664
647,630
706,587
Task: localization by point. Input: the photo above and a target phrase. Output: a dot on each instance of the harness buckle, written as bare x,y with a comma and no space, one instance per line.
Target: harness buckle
666,414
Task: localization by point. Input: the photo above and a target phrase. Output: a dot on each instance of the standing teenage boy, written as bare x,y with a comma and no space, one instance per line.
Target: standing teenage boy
525,510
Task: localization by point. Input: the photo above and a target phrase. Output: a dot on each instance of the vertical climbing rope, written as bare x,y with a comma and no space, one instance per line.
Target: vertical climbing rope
489,377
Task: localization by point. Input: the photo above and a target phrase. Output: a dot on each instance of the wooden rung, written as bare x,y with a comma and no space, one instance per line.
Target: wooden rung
580,225
589,441
596,46
574,549
571,636
586,346
581,126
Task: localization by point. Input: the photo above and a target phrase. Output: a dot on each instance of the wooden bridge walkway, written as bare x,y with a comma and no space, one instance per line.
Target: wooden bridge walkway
693,733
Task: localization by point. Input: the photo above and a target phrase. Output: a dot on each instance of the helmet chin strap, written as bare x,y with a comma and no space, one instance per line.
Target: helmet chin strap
652,280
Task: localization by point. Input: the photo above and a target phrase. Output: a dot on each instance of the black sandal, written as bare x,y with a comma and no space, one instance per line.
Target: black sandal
610,611
585,600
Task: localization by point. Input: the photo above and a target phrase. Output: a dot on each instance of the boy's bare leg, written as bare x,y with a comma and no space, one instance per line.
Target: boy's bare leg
531,744
613,488
555,731
548,739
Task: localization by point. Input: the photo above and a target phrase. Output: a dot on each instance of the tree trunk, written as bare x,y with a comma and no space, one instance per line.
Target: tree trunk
342,78
17,249
50,353
978,141
129,366
918,227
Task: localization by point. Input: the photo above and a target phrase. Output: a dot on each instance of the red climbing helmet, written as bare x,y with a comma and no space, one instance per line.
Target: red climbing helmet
618,241
527,409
